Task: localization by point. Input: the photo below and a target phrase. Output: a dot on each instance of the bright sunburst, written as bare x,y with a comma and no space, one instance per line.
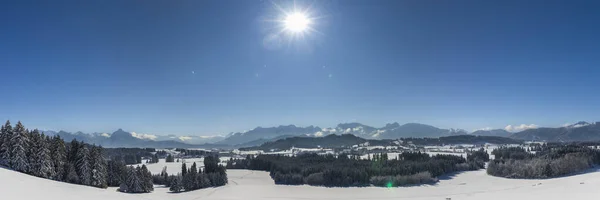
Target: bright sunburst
293,23
296,22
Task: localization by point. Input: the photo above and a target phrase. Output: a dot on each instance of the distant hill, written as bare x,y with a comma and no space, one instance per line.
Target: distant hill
329,141
267,133
263,140
581,131
121,138
462,139
389,131
395,131
493,132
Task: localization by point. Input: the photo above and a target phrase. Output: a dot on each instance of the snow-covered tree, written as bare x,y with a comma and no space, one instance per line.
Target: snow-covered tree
184,169
98,164
39,156
175,184
134,184
193,179
58,154
146,178
18,149
71,174
83,166
47,166
5,135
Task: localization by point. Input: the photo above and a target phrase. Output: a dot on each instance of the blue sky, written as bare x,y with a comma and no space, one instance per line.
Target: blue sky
96,66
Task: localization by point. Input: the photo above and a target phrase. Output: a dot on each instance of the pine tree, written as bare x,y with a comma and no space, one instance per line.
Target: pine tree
175,184
5,135
73,151
187,182
164,174
39,159
18,149
146,177
32,156
193,174
58,154
71,174
134,183
83,166
98,164
183,169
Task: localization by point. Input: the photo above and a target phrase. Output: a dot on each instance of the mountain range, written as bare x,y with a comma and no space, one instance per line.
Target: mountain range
581,131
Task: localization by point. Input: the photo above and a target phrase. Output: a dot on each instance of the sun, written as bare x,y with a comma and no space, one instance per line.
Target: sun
296,22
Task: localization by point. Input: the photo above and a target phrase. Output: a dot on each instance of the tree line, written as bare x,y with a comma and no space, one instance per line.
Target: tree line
548,161
40,155
194,152
130,156
347,171
194,178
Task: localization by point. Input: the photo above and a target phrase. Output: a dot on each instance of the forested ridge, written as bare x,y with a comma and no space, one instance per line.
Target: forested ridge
542,161
350,170
36,154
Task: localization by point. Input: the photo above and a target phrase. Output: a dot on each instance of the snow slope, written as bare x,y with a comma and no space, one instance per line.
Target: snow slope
257,185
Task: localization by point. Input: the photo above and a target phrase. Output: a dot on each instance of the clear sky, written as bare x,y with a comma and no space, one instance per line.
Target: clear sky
203,67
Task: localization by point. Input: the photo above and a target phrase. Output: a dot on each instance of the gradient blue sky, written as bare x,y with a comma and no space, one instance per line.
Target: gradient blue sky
96,66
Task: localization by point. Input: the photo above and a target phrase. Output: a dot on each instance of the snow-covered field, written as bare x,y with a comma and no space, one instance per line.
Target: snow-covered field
172,167
175,167
256,185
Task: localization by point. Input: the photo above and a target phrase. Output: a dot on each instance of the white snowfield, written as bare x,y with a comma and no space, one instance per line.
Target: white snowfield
257,185
175,167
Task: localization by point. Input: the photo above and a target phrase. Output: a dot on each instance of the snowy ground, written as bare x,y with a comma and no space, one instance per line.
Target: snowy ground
255,185
175,167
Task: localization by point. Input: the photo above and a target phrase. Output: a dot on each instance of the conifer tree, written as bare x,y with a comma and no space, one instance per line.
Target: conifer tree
195,184
98,164
58,154
134,183
71,174
175,183
146,177
43,166
18,149
32,156
5,135
83,166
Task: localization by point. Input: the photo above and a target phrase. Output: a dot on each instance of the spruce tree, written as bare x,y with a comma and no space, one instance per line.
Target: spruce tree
43,165
175,184
188,182
146,177
134,183
32,155
183,169
193,174
58,154
18,149
73,151
5,135
83,166
98,164
71,174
